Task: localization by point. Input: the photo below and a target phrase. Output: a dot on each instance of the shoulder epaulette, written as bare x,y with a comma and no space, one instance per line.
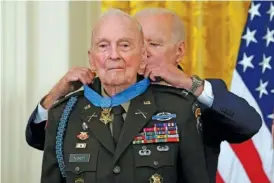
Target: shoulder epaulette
177,91
67,97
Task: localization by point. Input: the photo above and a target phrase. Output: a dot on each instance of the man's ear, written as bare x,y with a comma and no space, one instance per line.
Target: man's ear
180,52
144,54
142,67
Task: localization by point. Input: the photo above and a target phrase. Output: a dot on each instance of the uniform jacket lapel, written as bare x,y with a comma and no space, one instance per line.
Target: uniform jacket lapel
135,120
91,115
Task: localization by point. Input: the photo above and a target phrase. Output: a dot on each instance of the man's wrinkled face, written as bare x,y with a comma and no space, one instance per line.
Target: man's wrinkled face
159,39
117,50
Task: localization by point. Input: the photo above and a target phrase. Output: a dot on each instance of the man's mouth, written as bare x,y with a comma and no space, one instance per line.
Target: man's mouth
116,69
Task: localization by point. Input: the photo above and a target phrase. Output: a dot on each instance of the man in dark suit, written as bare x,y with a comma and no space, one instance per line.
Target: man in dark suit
223,113
137,133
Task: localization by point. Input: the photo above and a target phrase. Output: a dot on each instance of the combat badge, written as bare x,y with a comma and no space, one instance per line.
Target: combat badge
163,116
156,178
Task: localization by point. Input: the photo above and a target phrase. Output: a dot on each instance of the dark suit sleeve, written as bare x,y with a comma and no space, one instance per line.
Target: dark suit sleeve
35,133
231,117
50,168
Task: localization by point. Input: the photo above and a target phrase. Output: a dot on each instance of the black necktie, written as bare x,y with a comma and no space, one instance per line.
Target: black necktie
117,122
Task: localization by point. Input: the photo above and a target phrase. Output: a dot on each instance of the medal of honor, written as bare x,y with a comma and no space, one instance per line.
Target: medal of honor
106,103
106,115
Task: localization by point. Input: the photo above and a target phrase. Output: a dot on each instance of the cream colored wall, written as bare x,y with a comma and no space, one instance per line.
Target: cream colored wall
40,42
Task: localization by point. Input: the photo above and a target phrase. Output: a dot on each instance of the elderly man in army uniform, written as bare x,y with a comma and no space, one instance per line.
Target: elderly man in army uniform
129,132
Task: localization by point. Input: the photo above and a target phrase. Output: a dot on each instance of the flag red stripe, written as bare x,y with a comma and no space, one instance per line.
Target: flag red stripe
219,179
251,161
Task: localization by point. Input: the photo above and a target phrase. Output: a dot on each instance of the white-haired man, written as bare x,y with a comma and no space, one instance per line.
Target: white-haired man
223,113
137,133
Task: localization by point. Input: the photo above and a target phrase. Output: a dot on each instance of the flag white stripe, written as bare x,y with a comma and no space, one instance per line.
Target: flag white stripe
230,168
262,140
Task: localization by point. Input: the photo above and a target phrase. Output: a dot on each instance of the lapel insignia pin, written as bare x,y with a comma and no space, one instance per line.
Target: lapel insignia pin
94,115
147,102
80,145
84,126
156,178
87,107
144,151
83,136
140,112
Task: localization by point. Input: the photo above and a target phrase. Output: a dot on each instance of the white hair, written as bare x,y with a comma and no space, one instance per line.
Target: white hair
178,26
114,11
119,12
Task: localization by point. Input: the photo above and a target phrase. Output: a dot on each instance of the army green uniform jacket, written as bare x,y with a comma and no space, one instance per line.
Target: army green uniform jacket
73,154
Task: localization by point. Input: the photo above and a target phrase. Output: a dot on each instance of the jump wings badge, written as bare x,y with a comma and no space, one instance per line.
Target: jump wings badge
105,116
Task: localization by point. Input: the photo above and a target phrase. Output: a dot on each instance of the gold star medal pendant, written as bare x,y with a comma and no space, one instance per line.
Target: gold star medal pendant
106,111
105,115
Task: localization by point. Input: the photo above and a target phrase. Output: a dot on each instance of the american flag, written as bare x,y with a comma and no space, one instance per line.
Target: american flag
253,79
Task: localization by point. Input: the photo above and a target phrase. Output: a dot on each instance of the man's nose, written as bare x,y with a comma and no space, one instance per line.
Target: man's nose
148,53
114,54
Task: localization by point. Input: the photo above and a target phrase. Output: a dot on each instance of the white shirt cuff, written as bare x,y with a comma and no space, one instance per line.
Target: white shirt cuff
207,96
41,115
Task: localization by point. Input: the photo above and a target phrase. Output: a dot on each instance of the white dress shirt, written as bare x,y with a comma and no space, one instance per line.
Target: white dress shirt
205,98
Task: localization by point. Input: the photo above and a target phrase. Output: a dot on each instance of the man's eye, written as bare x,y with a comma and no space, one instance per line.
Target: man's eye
154,44
102,45
125,45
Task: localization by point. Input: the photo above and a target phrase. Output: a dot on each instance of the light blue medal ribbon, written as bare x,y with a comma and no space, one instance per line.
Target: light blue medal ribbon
118,99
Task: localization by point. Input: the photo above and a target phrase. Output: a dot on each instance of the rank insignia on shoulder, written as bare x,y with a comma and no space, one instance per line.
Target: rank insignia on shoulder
163,116
156,178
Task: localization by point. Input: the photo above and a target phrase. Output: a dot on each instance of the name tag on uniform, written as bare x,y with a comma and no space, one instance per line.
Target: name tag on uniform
79,158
